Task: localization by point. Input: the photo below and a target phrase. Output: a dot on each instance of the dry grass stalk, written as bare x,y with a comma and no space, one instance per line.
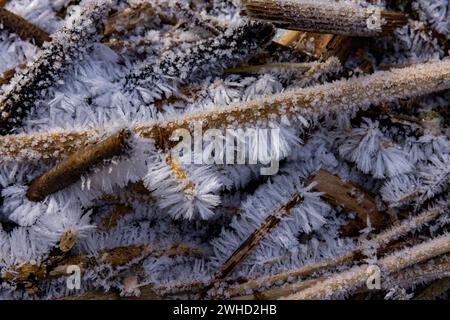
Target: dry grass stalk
264,68
381,240
321,17
345,282
338,96
25,30
419,273
70,170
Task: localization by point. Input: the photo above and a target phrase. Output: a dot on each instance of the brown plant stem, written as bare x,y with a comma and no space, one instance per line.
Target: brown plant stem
79,163
347,281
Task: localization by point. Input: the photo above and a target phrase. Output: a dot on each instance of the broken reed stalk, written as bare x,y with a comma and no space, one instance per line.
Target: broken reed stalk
25,30
384,238
244,250
79,163
345,282
296,105
325,17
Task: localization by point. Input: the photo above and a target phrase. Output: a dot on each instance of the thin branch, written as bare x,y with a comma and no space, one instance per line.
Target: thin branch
69,171
381,240
295,105
49,65
244,250
345,282
325,17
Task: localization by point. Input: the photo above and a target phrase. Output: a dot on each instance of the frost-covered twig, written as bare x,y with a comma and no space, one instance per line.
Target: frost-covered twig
70,170
345,282
380,240
344,96
307,67
120,256
254,239
66,47
136,15
344,18
25,30
436,289
29,273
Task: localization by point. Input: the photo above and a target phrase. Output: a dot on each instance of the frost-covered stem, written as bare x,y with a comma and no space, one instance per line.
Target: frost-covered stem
120,256
296,106
380,240
425,272
70,170
428,271
56,264
347,281
179,173
289,37
255,238
25,30
325,17
66,47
